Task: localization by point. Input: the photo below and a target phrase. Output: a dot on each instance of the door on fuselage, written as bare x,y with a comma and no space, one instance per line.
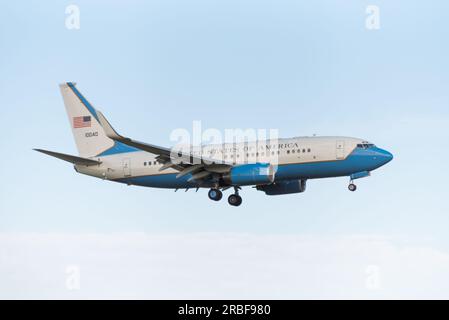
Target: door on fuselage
340,149
127,167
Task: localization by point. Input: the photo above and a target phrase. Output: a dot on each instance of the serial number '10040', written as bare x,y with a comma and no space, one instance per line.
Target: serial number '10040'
91,134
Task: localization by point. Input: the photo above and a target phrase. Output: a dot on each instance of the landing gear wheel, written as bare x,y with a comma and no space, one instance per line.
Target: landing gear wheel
235,200
352,187
215,194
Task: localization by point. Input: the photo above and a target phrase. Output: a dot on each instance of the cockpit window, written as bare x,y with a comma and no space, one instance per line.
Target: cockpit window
365,145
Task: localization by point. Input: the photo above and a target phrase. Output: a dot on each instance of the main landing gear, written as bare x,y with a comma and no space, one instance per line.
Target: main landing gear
215,194
234,199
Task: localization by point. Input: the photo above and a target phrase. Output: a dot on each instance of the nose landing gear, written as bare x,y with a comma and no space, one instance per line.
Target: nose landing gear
352,187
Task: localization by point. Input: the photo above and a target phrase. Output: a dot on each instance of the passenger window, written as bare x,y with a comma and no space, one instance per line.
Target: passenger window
288,151
144,163
293,151
308,150
303,150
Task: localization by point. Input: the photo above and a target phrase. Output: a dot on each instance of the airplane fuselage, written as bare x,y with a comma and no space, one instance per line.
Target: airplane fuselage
293,159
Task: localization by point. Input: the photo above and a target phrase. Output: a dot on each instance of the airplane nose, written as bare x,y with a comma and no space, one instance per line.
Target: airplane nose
376,157
385,156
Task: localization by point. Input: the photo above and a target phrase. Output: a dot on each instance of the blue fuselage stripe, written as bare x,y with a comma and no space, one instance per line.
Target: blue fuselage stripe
357,161
117,148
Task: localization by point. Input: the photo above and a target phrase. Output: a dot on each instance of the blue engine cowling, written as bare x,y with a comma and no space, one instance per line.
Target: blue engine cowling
250,174
284,187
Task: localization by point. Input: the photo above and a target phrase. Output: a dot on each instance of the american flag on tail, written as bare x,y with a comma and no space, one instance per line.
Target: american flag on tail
81,122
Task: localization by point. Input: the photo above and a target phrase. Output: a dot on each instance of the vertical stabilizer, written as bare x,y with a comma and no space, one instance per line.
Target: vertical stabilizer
88,133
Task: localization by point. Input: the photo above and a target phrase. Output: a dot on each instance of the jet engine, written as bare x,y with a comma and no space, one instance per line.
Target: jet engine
250,174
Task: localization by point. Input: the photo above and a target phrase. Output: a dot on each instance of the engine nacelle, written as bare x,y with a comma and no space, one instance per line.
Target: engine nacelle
250,174
284,187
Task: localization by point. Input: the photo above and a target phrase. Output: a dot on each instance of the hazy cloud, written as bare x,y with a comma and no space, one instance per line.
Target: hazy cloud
137,265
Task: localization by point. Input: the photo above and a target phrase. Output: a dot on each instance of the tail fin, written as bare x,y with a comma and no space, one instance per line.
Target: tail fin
89,135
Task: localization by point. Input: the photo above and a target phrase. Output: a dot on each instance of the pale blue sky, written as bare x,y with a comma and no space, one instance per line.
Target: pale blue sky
302,67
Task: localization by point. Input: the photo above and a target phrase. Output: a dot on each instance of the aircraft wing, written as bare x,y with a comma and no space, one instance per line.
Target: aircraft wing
200,167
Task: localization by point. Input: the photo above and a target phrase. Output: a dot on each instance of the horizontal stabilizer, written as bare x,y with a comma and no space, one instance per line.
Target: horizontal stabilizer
69,158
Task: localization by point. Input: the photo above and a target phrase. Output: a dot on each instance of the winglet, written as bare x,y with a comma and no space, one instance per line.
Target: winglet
108,129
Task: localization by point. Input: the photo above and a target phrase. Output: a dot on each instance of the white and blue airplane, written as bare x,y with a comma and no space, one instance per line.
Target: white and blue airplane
276,167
